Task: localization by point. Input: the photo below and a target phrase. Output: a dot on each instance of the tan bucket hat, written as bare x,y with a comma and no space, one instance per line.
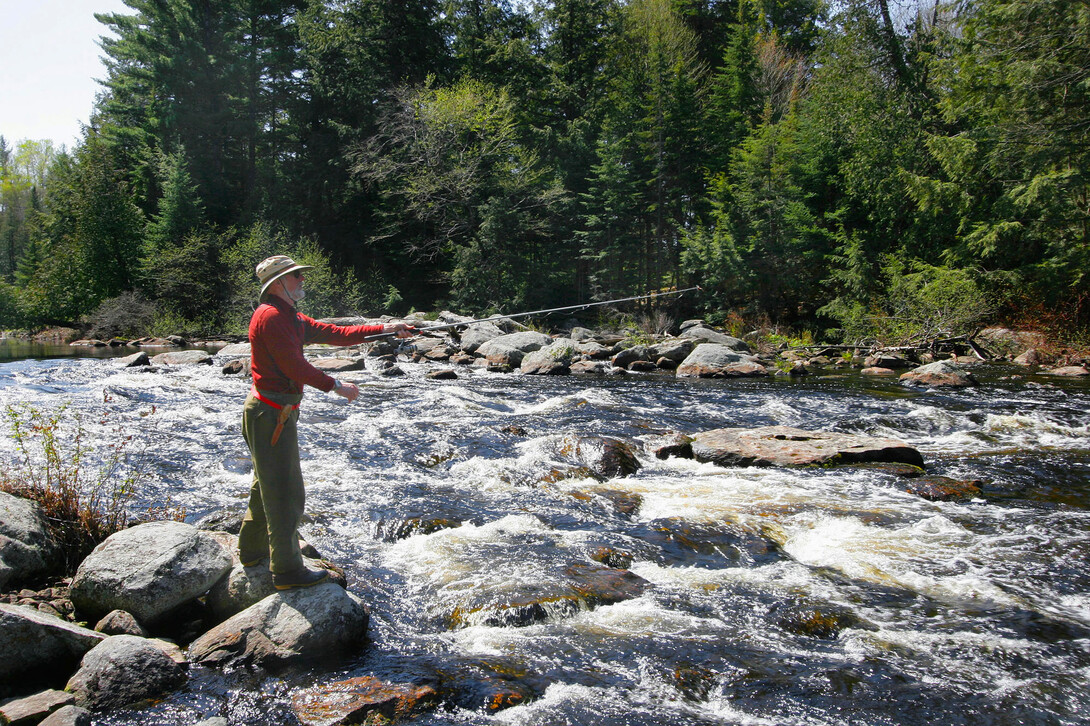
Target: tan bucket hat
273,268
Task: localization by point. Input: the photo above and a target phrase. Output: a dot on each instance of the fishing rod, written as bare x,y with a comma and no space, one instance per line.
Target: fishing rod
584,306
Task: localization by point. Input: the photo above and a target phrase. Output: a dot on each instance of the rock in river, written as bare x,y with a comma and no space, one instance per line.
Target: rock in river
26,549
787,446
712,360
311,623
940,374
123,670
36,644
148,570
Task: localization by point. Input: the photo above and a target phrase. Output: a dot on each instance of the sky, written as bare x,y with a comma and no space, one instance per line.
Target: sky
49,60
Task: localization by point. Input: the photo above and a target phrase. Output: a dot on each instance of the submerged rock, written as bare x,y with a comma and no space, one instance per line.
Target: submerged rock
681,542
663,446
488,684
943,489
579,587
124,670
605,456
825,620
362,700
788,446
149,570
306,624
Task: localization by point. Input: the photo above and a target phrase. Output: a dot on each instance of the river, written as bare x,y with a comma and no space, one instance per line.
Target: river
975,612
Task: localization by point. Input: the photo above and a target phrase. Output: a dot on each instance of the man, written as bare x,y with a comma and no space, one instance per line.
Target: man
277,335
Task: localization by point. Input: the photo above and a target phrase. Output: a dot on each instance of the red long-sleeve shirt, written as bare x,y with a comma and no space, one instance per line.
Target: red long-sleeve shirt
277,335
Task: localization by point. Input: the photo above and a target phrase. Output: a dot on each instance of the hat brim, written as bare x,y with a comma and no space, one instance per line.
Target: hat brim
283,272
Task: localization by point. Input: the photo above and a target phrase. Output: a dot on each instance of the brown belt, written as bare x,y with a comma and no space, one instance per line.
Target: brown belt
281,419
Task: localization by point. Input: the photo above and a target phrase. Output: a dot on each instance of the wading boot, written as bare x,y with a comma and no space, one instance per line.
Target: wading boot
302,577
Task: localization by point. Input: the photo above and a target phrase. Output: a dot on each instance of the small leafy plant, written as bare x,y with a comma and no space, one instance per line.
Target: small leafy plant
84,494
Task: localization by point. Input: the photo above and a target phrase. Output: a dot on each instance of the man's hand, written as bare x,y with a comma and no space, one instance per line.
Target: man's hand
402,330
348,390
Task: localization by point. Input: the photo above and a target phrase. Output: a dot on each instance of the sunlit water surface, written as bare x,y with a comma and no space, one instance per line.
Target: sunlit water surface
957,613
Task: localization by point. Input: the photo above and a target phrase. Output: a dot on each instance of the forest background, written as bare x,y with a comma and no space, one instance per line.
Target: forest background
859,169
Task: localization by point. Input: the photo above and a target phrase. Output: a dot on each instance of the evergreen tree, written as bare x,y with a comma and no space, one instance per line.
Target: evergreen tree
650,143
734,103
1014,166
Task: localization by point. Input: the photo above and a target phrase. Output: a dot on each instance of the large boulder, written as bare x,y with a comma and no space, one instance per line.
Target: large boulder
124,670
234,349
673,349
182,358
592,350
149,570
553,360
509,350
940,374
476,335
38,647
333,365
26,549
713,360
703,334
625,358
788,446
311,623
245,586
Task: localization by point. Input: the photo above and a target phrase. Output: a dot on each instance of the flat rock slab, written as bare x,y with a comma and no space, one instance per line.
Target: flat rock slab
33,709
1073,371
182,358
358,699
305,624
35,642
787,446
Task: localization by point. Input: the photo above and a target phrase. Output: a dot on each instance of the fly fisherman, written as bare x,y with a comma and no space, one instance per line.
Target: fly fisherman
277,335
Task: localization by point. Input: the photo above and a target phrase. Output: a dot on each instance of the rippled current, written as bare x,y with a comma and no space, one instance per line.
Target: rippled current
958,613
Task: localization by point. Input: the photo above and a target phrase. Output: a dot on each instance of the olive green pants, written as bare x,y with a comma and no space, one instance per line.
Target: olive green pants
276,497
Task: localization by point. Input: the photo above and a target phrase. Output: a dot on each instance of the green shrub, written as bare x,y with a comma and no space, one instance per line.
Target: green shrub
920,303
84,496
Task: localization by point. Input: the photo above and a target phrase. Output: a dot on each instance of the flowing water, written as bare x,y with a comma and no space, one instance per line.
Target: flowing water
817,596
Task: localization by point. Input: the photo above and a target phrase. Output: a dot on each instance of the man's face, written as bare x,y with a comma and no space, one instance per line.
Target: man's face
293,285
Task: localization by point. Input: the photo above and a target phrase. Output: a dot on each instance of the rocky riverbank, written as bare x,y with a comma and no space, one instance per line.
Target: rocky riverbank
696,351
